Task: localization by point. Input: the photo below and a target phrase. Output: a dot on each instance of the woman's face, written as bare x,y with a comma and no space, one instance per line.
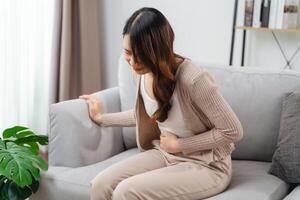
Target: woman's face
139,69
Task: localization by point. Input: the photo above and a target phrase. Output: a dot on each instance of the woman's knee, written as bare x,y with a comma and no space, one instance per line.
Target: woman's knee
126,190
101,188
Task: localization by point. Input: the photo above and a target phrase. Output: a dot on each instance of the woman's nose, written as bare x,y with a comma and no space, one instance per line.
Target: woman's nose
131,62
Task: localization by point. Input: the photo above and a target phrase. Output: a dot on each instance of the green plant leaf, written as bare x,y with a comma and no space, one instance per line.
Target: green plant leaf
3,188
13,191
42,139
27,138
34,147
13,131
17,193
24,134
34,186
18,163
3,179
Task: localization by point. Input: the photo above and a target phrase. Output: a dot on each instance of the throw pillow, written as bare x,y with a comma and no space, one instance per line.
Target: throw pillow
286,159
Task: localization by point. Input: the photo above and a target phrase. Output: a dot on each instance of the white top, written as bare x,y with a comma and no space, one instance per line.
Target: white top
174,123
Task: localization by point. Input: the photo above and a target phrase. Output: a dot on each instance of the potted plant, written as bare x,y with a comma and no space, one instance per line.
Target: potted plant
20,162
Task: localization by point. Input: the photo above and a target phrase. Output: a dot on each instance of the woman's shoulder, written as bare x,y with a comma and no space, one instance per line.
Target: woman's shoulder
190,71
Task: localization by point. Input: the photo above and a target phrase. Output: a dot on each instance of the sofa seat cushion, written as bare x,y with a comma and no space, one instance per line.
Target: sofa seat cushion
251,180
65,183
294,195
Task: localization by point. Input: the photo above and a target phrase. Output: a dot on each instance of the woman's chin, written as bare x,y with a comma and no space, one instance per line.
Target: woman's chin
140,72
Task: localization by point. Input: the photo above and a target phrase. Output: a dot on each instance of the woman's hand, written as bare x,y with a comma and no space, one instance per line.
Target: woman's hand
169,142
94,106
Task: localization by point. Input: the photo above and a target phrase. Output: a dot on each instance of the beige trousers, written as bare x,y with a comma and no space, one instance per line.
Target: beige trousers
157,175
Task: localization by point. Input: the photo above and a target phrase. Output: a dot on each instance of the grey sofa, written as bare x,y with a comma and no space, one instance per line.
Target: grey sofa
79,149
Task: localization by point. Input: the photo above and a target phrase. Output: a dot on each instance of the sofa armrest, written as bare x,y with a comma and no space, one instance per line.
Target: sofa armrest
75,140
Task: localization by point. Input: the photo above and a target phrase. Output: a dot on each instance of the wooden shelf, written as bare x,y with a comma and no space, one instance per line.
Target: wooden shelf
245,30
267,29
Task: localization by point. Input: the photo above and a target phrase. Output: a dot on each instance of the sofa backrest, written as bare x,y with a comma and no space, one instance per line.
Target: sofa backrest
255,94
127,98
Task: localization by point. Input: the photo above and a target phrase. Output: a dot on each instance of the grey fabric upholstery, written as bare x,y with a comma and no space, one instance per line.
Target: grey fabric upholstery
294,194
79,149
251,181
286,159
74,139
127,94
256,96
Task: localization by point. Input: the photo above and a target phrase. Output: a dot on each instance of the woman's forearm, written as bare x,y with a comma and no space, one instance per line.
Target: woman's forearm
119,119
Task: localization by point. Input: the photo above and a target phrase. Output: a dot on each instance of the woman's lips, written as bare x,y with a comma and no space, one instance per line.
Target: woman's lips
137,68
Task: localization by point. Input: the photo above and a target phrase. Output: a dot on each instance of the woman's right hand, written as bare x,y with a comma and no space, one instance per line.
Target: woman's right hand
94,106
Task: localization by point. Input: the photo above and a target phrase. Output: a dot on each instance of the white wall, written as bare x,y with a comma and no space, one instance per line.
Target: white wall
202,32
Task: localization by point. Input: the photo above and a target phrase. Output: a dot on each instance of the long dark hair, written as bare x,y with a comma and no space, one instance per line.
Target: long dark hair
151,38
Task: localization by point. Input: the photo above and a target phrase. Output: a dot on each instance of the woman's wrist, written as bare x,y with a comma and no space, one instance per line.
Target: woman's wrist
98,119
178,146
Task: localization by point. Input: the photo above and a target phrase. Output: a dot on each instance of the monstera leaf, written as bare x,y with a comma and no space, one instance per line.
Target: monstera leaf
10,190
24,137
10,132
18,163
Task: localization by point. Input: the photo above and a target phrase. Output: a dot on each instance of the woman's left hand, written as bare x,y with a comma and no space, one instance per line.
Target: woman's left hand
169,142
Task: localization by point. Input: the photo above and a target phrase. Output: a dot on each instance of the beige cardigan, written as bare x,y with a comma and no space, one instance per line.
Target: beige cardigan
205,112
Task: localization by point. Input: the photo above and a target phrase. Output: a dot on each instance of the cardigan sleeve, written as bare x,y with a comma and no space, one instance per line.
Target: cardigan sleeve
206,98
118,119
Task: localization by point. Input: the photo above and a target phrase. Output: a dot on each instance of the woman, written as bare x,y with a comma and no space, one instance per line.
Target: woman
185,128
